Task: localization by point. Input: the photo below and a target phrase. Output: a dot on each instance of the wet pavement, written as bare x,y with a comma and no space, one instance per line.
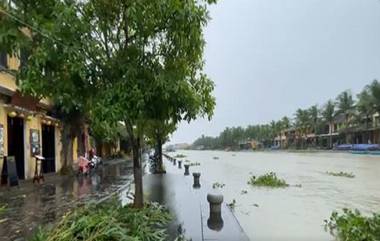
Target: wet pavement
190,208
31,205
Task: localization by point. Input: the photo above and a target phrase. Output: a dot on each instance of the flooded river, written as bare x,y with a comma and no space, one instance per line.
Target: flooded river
293,213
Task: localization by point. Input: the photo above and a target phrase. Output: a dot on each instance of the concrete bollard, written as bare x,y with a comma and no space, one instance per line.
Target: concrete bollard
174,161
215,221
196,176
187,166
179,164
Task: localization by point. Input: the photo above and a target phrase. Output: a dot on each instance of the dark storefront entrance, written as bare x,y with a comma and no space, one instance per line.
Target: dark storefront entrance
48,148
16,143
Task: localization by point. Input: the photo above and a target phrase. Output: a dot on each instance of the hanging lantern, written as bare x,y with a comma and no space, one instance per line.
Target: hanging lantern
29,118
48,122
12,114
21,115
57,124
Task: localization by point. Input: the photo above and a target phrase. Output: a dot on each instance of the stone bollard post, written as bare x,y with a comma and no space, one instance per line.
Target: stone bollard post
179,164
215,221
174,161
196,176
187,166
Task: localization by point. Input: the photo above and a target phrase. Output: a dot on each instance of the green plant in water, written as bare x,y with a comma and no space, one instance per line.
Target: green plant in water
180,156
2,208
353,226
218,185
109,221
341,174
243,192
232,204
268,180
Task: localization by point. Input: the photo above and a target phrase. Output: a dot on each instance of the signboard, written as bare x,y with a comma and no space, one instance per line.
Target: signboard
12,171
35,148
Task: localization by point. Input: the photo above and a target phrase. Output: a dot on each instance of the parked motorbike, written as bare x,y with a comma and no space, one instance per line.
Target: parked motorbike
87,166
95,162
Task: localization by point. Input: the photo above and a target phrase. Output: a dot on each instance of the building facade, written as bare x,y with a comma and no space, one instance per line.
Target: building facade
27,127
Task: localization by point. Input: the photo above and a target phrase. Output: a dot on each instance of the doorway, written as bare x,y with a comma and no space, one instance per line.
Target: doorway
48,148
16,143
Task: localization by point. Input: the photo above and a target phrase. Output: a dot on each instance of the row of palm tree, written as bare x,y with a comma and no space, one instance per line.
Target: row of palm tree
314,119
354,112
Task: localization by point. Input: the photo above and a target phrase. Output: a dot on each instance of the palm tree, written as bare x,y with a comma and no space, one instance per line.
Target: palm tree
285,124
365,107
374,92
345,104
302,124
313,113
314,117
328,115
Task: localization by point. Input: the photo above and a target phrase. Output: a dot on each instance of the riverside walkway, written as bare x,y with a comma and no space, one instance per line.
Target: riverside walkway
31,205
190,206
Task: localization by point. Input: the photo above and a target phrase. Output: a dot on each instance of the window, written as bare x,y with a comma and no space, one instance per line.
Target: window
3,60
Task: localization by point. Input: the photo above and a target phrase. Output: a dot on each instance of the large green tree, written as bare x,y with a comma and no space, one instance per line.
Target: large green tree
58,64
150,65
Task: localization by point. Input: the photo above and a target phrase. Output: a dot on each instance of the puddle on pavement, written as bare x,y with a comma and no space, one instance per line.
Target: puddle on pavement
29,206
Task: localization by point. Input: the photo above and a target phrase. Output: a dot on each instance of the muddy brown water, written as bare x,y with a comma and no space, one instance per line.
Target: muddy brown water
293,213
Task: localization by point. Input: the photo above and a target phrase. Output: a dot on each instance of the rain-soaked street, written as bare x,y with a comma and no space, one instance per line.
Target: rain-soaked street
32,205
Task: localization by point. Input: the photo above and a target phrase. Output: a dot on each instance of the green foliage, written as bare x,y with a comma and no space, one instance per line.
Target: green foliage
180,156
232,204
109,221
268,180
341,174
353,226
243,192
306,121
328,112
2,208
218,185
345,102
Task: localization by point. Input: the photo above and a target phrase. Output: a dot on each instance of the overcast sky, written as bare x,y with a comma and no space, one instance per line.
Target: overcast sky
270,57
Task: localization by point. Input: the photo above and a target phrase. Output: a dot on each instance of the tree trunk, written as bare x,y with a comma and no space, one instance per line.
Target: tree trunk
330,132
137,173
67,139
159,149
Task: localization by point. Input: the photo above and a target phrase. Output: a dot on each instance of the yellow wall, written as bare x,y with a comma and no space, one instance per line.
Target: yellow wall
30,162
3,121
8,81
58,149
75,150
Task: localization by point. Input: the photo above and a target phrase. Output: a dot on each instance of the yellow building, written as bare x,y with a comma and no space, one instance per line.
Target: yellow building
26,125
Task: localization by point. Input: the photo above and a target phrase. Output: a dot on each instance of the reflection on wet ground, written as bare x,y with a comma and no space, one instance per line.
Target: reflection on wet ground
190,208
32,205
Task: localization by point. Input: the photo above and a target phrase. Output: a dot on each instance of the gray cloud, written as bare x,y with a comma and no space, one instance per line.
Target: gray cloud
269,57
